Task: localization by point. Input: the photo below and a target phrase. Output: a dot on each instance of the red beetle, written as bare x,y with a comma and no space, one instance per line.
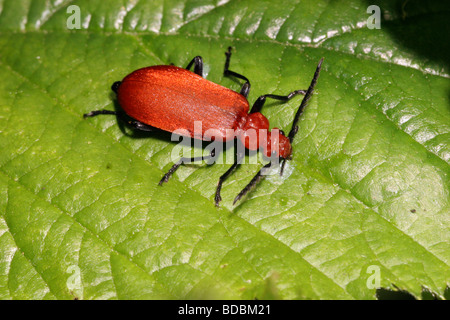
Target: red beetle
170,98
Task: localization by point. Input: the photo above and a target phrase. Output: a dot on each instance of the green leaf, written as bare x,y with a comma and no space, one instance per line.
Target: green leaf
365,198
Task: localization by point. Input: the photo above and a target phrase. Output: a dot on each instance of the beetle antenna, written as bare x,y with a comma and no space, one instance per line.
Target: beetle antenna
305,100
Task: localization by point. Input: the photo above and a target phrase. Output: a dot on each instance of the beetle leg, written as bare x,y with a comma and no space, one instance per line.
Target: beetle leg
140,125
237,157
246,87
169,173
198,65
262,99
97,112
222,178
252,183
115,86
133,123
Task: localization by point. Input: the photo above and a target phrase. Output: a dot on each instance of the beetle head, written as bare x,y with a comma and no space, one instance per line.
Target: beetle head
278,144
284,146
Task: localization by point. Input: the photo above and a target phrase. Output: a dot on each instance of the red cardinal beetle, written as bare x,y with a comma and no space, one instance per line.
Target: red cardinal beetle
167,97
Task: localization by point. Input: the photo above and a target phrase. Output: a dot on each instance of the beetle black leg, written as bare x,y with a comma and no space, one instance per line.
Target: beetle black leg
140,125
115,86
198,65
246,87
169,173
252,183
237,157
97,112
262,99
133,123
